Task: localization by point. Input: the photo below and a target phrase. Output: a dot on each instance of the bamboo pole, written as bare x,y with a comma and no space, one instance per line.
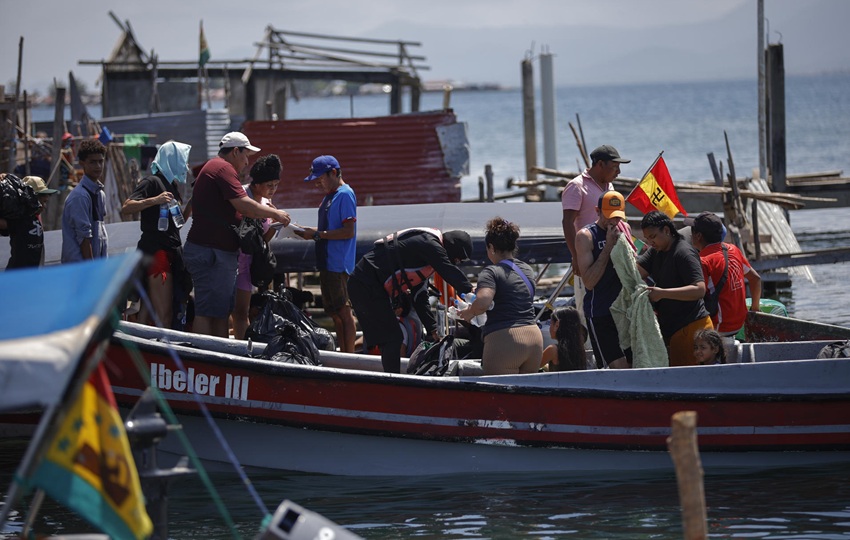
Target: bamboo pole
581,149
682,444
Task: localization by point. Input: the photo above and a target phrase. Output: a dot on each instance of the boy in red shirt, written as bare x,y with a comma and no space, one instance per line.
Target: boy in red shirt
707,234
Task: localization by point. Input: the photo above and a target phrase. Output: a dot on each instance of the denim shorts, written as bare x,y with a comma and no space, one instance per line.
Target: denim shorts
214,275
334,290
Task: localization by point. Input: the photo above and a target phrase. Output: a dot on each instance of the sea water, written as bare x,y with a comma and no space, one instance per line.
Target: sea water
686,121
794,503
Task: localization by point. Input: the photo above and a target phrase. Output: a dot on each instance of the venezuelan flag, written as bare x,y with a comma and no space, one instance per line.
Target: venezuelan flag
89,467
655,191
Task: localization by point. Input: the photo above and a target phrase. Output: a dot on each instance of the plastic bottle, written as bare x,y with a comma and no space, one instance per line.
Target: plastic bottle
162,223
176,213
463,303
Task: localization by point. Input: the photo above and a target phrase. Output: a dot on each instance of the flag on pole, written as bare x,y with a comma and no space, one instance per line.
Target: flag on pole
204,55
655,191
89,468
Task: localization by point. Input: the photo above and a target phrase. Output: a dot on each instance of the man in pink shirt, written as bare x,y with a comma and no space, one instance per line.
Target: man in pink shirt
582,193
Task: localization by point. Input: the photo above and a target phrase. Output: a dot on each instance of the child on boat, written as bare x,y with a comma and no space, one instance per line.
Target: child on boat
568,353
708,348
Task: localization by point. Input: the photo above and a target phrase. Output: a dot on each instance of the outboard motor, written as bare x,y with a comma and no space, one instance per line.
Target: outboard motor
145,428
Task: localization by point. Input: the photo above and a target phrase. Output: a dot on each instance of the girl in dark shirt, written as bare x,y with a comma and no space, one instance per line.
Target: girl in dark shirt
674,266
568,353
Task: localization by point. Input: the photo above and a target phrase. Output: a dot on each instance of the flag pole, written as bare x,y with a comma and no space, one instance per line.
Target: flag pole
644,174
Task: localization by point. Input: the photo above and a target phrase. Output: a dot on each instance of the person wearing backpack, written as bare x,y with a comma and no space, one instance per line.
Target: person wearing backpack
167,278
265,177
23,226
724,268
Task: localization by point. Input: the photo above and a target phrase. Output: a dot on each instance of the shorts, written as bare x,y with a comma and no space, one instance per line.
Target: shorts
243,274
160,264
214,274
605,341
334,291
680,350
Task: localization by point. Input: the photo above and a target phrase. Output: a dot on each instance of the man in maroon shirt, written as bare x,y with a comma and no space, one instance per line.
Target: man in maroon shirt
211,250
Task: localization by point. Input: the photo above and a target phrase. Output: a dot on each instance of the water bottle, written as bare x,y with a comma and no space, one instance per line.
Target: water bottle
463,303
162,224
176,214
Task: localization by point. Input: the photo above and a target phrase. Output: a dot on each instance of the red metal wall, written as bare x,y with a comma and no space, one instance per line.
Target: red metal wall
394,159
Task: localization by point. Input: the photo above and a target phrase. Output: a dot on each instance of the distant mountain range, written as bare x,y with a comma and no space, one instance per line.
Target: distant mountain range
814,34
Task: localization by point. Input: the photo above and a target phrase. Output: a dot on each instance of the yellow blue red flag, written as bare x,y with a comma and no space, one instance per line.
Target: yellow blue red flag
655,191
89,467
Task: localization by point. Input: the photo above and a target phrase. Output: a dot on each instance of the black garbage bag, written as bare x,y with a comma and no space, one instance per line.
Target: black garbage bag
292,345
323,339
278,308
17,199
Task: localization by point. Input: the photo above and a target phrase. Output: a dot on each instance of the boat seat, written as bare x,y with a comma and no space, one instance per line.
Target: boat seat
464,368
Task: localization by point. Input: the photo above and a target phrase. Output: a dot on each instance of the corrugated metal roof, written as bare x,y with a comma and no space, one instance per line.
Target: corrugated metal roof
391,159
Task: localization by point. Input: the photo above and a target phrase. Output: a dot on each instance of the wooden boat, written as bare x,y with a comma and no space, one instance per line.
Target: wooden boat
777,407
767,327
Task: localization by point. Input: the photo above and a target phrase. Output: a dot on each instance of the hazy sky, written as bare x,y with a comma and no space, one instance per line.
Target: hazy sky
594,41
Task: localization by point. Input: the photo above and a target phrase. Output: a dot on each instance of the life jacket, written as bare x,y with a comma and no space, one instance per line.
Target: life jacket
404,279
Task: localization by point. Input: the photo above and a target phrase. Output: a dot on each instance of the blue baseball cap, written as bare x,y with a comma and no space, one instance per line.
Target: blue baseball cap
322,165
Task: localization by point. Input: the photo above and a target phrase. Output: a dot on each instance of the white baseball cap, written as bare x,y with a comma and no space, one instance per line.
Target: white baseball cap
236,139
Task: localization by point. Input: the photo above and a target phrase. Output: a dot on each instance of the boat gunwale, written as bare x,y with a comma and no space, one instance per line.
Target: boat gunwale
482,383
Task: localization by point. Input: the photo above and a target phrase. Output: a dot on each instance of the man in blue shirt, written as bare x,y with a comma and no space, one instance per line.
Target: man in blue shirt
335,245
83,228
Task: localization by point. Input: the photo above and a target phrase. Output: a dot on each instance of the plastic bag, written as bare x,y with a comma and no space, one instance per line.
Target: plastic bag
276,311
17,199
292,345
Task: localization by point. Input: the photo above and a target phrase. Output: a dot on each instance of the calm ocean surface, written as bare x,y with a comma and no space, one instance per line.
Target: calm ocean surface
686,121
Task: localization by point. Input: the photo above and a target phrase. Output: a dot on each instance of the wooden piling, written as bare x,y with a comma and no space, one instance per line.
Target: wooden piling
529,131
684,450
51,218
547,105
447,96
26,126
13,128
488,173
776,116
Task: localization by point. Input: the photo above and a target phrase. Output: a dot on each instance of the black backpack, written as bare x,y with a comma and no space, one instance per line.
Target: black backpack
263,262
17,200
432,358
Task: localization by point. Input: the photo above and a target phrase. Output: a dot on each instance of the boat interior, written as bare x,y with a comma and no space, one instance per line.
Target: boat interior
740,352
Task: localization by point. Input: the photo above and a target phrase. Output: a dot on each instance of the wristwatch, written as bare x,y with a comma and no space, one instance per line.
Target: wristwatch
316,236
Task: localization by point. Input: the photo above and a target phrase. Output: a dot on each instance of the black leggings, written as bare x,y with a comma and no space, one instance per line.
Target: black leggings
378,321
